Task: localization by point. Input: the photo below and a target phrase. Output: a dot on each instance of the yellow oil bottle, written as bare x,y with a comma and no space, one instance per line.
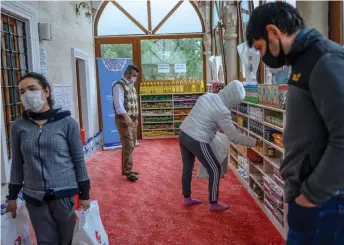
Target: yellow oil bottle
173,83
193,86
181,86
153,88
201,86
177,86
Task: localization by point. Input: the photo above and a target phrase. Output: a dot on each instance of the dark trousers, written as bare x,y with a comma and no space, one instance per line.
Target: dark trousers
190,149
322,225
53,221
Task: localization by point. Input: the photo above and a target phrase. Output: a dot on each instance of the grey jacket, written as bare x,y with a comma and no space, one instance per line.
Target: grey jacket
212,111
48,158
314,132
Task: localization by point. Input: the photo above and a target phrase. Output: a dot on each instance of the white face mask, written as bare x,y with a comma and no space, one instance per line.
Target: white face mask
32,100
133,79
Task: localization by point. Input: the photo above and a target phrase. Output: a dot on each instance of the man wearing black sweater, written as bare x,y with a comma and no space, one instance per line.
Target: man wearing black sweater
313,166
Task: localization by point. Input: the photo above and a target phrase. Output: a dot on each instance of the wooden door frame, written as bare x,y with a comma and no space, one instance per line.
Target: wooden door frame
135,41
79,93
335,21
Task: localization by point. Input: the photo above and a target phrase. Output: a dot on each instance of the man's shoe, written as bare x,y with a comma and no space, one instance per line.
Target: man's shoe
132,178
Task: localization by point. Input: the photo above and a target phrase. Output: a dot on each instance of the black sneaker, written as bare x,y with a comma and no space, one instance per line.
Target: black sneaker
132,177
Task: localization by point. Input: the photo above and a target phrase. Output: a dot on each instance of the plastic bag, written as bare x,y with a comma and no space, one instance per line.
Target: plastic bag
16,231
219,146
89,229
250,58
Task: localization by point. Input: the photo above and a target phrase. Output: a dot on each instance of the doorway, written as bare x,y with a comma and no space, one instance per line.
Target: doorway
78,86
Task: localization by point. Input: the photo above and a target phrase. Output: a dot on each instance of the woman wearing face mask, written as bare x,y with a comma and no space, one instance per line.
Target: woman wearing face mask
48,161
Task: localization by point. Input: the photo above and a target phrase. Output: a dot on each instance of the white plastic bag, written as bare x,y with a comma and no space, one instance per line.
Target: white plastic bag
220,146
16,231
250,58
89,229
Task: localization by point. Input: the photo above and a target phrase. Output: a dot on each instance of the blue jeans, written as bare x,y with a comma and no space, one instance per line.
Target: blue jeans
322,225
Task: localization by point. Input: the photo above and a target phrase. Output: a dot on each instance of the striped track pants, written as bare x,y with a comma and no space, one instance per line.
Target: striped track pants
190,149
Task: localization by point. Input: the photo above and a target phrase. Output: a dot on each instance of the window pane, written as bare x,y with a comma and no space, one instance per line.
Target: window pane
13,64
215,15
186,51
244,5
291,2
116,51
159,9
137,9
183,20
114,22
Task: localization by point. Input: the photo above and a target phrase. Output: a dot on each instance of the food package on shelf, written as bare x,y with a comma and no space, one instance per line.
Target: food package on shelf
282,94
278,180
273,190
252,94
275,211
277,173
254,157
278,139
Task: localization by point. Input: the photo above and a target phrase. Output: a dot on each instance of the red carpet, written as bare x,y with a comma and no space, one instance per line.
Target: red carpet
151,212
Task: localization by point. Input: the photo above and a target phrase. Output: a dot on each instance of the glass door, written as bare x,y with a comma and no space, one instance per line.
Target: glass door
119,49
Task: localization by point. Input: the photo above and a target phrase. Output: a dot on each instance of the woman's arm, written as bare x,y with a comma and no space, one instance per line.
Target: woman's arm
77,154
17,175
224,121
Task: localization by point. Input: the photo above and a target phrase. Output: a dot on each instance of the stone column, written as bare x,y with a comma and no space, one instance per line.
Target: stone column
230,23
207,53
315,13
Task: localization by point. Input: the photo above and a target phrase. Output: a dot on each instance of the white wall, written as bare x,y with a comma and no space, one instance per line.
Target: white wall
68,31
315,14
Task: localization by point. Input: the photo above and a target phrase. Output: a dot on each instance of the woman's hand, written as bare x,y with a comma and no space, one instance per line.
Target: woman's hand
85,204
12,208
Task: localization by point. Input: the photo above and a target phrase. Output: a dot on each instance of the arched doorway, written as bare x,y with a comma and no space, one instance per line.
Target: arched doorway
148,32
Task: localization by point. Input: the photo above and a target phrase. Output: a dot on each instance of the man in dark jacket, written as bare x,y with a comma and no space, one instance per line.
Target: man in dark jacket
313,166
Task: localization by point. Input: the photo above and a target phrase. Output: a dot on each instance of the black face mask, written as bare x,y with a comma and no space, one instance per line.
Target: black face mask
272,61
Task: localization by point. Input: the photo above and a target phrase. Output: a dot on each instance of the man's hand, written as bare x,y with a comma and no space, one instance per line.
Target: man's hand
302,201
12,208
85,204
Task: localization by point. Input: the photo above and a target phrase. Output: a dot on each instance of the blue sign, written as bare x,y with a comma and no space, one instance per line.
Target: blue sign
109,72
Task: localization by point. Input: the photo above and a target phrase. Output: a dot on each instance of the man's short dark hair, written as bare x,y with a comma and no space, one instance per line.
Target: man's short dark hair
131,68
284,16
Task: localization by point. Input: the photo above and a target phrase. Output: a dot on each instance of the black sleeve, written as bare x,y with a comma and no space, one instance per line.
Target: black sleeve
84,189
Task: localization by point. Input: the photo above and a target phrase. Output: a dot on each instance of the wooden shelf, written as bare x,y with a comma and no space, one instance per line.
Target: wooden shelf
264,170
175,97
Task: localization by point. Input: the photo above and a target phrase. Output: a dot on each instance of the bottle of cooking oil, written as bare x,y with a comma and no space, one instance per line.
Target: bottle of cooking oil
186,83
153,88
201,86
177,86
189,89
193,86
181,86
173,83
161,85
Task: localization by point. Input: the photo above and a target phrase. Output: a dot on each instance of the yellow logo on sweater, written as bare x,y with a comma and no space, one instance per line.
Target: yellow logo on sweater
296,77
